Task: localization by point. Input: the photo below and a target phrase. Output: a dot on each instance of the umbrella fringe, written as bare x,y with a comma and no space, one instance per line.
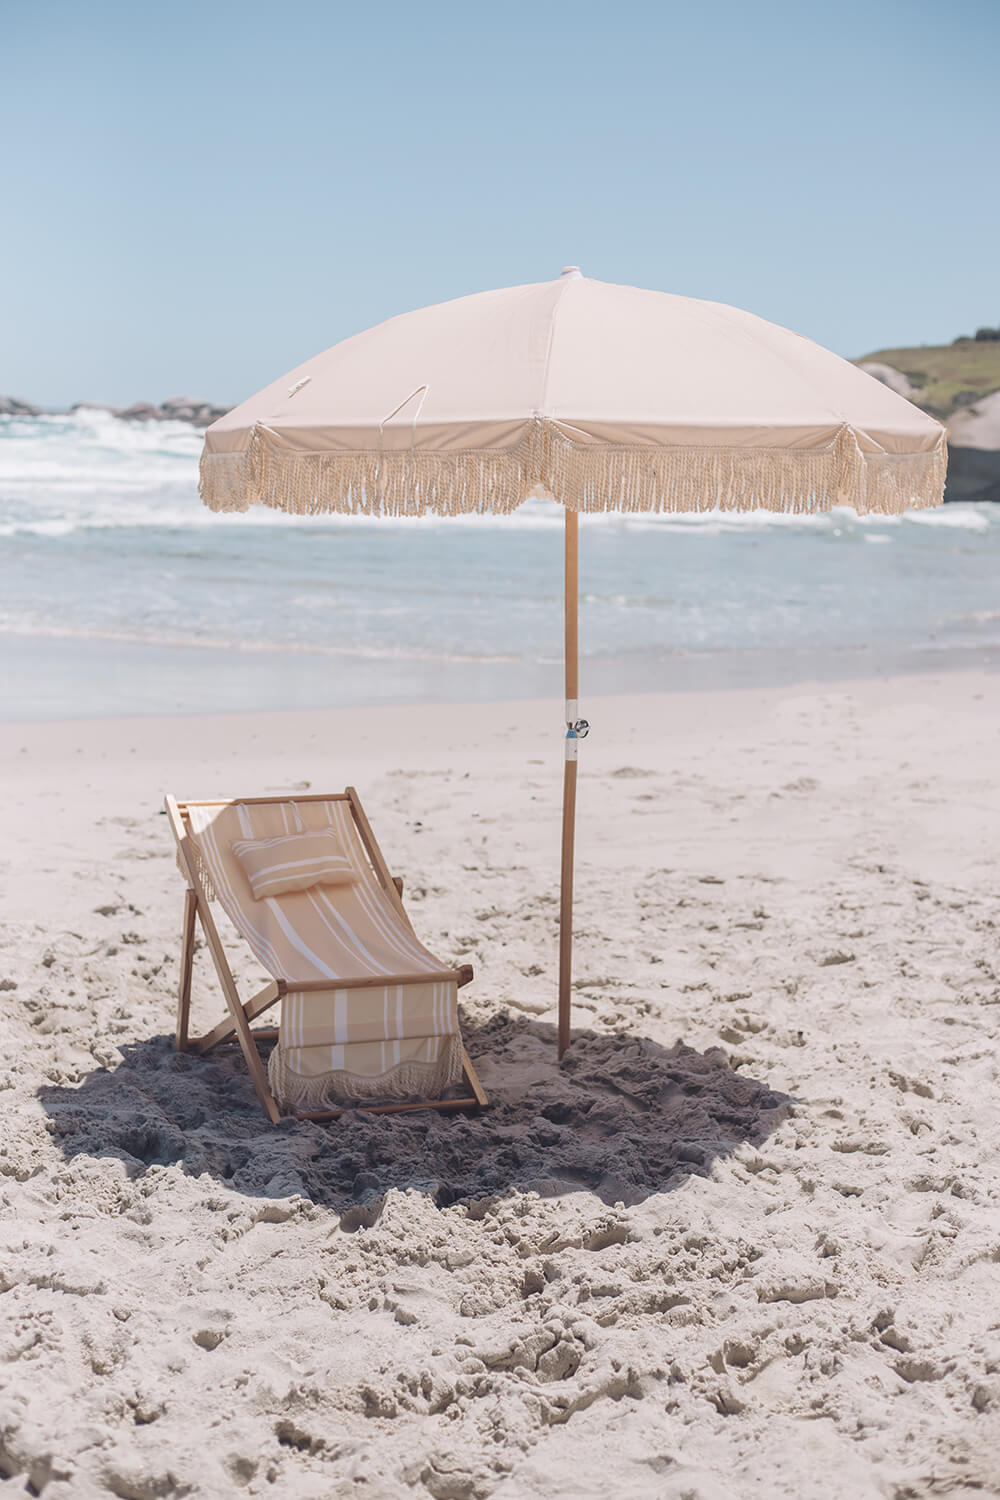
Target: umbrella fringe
582,476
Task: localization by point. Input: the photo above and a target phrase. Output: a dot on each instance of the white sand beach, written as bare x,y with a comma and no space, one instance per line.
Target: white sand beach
745,1243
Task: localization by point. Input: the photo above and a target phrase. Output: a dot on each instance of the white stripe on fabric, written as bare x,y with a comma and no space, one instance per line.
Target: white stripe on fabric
297,864
354,955
273,905
347,956
317,895
269,884
385,919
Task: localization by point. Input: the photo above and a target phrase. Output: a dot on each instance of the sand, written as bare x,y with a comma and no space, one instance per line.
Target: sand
745,1244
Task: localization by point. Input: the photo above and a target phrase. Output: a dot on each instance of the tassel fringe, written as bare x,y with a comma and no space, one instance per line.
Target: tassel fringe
581,476
331,1090
204,875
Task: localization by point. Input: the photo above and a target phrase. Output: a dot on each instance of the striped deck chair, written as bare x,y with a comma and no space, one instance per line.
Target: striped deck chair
368,1016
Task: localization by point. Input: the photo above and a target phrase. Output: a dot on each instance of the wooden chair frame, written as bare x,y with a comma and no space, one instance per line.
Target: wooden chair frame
240,1013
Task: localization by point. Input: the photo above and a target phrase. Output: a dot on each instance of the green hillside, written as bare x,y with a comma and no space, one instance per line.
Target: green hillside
946,376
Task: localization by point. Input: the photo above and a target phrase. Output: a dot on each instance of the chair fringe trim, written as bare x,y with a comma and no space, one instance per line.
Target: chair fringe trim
332,1090
203,872
580,476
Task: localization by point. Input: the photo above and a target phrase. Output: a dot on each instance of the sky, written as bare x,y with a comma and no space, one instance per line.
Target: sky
198,196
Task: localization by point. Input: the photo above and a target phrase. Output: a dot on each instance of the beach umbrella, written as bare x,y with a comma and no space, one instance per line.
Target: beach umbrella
600,397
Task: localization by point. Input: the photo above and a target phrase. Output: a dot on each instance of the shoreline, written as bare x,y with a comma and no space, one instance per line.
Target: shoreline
51,676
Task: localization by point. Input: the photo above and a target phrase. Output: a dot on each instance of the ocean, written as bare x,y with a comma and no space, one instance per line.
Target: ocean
121,594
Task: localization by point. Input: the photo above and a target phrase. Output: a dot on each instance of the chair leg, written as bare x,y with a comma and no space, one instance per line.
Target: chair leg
187,962
472,1078
258,1073
255,1006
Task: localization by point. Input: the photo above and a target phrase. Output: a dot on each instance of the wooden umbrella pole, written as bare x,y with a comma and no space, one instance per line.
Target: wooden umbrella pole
569,784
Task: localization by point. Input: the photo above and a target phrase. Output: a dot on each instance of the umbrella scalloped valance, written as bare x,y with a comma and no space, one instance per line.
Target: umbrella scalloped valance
583,477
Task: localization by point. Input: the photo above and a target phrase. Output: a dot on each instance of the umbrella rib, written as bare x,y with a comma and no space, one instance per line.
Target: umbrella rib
780,358
548,349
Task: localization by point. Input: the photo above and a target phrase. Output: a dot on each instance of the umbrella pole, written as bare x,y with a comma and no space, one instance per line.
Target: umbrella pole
569,785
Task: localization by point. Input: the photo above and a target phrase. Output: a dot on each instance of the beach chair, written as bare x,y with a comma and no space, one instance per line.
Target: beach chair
368,1016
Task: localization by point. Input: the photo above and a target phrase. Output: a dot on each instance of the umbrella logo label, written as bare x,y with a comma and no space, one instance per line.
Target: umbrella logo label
576,729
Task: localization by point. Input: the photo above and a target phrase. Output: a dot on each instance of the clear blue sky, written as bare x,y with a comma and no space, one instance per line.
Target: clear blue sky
198,196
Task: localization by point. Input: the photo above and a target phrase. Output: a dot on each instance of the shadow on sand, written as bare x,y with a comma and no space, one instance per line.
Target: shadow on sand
622,1118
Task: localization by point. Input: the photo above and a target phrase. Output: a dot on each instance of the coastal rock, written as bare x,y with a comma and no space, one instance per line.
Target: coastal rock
175,409
894,379
10,406
974,451
977,425
141,411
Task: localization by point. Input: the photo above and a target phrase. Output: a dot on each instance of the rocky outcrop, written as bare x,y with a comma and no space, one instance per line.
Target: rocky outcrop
10,406
175,409
978,425
191,409
974,451
894,379
973,433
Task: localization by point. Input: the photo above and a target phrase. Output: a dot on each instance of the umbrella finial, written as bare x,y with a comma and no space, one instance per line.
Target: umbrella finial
571,271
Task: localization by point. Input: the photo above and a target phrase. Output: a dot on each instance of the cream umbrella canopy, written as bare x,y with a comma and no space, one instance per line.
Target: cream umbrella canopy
600,397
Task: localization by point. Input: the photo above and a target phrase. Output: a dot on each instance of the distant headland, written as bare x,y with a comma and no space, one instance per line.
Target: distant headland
958,383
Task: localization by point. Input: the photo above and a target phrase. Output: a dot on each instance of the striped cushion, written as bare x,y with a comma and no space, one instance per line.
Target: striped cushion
294,862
